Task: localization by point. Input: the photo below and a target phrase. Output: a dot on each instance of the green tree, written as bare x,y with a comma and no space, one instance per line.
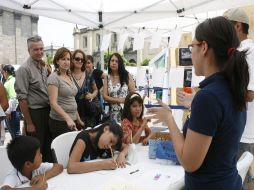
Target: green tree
49,59
145,62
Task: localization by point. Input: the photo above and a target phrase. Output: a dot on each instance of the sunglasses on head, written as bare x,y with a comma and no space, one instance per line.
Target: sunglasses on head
78,59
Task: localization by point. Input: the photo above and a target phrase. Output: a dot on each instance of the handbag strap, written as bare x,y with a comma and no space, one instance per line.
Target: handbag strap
75,82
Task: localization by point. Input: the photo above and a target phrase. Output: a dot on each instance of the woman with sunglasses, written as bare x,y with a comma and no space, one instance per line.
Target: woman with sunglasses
208,147
87,90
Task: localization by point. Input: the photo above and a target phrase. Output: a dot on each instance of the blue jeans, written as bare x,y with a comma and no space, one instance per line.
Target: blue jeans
13,125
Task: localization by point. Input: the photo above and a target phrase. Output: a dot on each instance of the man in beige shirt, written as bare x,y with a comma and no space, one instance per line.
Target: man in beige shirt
31,90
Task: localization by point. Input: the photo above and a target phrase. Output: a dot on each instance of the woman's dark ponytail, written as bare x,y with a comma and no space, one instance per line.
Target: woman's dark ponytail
221,36
236,71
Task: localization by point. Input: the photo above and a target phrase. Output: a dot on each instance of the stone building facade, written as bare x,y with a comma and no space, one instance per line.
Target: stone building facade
15,28
88,40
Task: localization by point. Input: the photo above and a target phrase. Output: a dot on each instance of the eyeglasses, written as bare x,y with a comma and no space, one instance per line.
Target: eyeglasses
79,59
190,46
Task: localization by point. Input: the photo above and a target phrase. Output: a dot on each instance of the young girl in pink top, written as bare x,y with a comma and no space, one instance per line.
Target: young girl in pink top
135,128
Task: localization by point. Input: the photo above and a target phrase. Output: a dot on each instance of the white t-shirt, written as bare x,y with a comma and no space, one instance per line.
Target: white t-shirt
15,179
248,134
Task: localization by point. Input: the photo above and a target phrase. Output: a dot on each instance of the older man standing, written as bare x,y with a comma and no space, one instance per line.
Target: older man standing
240,21
31,90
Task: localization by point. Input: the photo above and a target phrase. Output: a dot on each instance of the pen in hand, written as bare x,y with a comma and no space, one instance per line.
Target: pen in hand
113,156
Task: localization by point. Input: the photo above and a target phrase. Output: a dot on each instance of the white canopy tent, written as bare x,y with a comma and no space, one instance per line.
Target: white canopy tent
125,15
118,13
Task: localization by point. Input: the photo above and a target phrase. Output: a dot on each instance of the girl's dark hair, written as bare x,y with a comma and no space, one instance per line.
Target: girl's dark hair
123,73
60,53
89,57
114,128
130,98
9,69
83,68
220,36
22,149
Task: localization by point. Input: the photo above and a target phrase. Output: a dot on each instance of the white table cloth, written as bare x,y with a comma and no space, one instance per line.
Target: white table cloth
151,175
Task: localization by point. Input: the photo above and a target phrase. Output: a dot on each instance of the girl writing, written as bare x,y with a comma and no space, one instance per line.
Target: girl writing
97,142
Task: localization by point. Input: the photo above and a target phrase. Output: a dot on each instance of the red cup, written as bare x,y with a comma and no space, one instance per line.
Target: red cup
187,90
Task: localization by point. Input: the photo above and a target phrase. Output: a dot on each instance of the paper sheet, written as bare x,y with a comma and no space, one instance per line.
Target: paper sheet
105,42
141,77
138,43
156,40
158,77
175,38
176,76
121,41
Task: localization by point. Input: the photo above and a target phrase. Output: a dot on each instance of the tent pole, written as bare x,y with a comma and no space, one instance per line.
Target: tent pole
101,38
102,51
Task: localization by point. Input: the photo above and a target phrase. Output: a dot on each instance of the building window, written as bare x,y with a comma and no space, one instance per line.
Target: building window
85,41
98,40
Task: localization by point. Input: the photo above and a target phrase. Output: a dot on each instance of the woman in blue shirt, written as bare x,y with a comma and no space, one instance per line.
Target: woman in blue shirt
208,147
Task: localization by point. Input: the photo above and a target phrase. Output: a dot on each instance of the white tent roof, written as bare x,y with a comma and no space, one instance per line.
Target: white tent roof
118,13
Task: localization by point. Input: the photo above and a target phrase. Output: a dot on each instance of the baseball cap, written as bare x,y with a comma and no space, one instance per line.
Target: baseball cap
238,15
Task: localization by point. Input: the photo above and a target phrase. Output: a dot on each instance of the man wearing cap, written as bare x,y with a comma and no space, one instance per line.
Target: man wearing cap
31,90
240,21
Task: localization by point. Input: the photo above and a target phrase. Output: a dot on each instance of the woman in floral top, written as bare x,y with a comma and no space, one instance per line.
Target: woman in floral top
116,86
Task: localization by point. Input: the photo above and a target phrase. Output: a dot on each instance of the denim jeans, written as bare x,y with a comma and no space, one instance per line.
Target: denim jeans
13,125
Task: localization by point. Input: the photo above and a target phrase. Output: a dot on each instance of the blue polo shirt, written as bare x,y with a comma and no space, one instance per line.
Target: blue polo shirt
213,114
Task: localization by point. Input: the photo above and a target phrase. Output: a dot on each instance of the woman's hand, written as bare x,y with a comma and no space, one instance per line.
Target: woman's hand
120,160
121,100
144,123
110,164
162,114
185,99
8,116
71,124
89,96
145,141
81,123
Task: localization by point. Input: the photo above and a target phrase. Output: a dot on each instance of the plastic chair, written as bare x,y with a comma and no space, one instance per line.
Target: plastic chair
243,164
61,146
5,164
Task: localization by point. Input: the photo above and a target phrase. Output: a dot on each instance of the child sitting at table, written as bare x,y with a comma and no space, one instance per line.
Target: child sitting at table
94,143
25,156
135,128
